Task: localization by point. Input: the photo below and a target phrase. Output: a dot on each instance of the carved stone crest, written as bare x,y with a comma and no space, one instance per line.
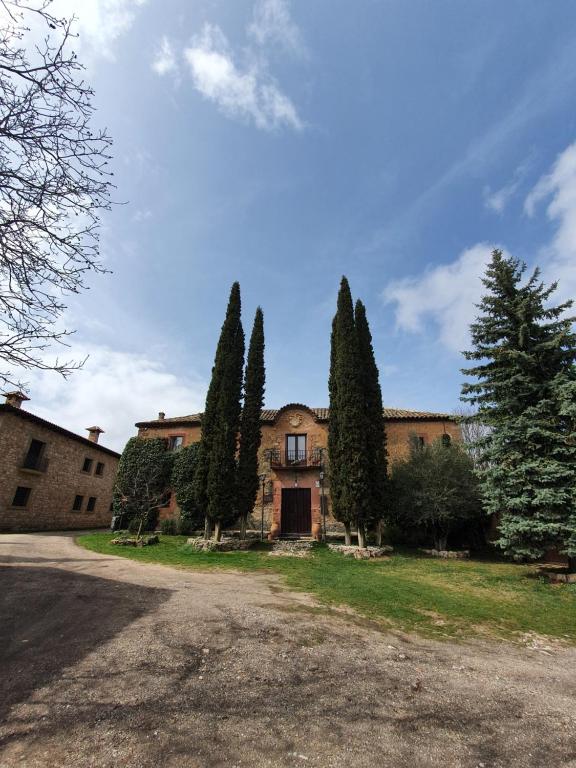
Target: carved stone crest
296,420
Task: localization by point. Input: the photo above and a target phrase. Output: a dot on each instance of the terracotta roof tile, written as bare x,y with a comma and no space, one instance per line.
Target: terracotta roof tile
322,414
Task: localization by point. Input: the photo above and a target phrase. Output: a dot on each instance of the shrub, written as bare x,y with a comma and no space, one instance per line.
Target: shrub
143,473
187,526
169,527
182,482
435,494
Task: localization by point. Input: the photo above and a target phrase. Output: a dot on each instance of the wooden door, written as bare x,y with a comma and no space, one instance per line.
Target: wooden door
296,513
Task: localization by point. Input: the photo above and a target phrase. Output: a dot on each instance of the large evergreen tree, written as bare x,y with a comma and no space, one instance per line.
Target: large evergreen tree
215,479
250,432
349,465
376,454
524,349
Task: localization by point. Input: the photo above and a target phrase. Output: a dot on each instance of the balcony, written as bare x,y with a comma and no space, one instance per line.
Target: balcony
312,459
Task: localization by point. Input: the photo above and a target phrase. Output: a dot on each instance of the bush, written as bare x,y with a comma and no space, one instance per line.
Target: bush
187,526
150,522
143,475
182,483
169,527
435,496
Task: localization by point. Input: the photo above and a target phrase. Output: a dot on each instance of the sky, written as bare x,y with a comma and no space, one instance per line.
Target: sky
284,143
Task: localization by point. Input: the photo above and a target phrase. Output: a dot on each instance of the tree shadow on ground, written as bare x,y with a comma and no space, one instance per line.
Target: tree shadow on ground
50,618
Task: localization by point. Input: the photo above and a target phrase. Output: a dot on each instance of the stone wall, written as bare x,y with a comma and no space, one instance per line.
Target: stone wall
53,490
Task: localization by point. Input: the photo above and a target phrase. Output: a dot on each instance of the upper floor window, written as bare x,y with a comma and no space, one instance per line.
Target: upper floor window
295,448
175,442
91,504
21,496
78,501
87,466
446,440
34,459
99,468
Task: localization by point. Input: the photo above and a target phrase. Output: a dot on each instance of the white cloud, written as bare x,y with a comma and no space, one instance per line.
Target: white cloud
446,295
100,23
558,259
498,200
114,390
249,94
165,60
272,24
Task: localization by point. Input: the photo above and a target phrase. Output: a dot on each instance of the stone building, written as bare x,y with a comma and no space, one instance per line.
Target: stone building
294,494
50,478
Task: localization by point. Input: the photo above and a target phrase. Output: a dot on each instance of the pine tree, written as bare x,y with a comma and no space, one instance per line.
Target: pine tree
215,481
349,467
374,417
250,432
525,351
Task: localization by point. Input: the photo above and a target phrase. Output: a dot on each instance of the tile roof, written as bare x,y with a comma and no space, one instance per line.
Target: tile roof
269,415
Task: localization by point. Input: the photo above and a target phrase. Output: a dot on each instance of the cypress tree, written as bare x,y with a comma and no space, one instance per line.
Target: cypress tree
250,432
525,391
215,481
349,468
334,460
376,453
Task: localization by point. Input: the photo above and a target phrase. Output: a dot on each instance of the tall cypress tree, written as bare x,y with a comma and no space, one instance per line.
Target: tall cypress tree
215,480
250,432
376,453
349,468
334,459
525,351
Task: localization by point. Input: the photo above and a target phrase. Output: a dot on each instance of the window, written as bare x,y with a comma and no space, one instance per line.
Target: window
420,441
295,449
99,469
21,496
77,506
91,504
446,440
175,442
34,457
87,466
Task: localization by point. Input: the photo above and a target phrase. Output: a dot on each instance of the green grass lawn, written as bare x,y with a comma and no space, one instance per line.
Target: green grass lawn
451,598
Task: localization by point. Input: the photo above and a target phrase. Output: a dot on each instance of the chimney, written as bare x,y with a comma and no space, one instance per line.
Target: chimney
15,399
94,433
161,416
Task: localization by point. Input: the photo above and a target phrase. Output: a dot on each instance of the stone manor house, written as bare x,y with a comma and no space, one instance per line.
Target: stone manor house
51,478
294,494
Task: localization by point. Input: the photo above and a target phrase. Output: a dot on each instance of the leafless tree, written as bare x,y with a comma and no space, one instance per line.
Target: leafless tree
473,432
54,183
138,497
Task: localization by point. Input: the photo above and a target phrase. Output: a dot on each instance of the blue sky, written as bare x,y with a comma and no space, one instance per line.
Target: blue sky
283,144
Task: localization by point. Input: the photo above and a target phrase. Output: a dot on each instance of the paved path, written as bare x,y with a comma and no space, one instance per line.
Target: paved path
107,662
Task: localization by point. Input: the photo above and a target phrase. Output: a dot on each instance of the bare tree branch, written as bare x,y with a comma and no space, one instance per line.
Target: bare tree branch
54,184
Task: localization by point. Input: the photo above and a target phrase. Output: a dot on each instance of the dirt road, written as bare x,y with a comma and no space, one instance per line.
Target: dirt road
107,662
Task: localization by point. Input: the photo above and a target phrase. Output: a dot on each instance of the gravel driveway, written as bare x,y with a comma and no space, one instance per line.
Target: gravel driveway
108,662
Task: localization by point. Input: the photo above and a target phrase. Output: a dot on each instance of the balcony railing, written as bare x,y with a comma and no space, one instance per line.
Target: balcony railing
311,458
